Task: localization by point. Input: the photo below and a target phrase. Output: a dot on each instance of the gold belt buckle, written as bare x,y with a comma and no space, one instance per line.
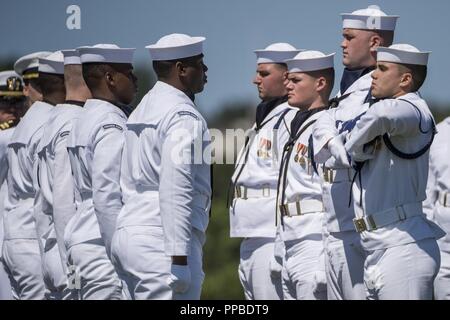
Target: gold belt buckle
360,225
328,175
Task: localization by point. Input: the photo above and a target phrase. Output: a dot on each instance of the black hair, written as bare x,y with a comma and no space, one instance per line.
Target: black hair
164,67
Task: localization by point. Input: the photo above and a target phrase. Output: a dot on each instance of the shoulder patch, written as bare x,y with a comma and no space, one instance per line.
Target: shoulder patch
188,113
64,133
112,125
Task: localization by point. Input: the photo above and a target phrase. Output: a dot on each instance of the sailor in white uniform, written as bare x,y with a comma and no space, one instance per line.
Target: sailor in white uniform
165,179
55,175
255,178
95,146
53,91
363,31
437,204
27,68
389,149
12,107
299,197
21,248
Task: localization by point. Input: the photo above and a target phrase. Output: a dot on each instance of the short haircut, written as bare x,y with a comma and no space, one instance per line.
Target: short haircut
50,83
387,37
163,68
328,74
73,76
418,72
93,73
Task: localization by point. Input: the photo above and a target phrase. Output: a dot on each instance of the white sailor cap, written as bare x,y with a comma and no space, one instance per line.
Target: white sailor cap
403,53
310,60
71,56
176,46
276,53
53,63
10,84
371,18
106,53
27,66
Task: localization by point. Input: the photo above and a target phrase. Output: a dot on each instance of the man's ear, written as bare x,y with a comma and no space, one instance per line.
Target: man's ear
375,42
406,81
109,77
321,83
181,68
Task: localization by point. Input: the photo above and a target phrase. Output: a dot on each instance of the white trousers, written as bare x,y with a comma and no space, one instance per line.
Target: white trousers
144,268
254,270
344,265
442,281
5,285
55,279
404,272
23,263
304,270
94,274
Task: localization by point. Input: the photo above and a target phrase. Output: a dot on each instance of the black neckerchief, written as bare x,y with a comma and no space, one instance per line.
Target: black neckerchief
75,102
349,77
300,118
265,107
124,107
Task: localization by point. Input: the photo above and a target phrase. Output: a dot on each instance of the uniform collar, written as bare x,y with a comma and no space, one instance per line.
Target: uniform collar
266,107
164,86
101,103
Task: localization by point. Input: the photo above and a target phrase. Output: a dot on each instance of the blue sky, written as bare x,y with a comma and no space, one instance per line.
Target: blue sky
233,28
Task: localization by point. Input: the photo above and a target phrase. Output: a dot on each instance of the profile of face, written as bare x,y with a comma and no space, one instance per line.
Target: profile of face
123,83
31,93
193,74
6,115
302,89
388,79
357,46
270,80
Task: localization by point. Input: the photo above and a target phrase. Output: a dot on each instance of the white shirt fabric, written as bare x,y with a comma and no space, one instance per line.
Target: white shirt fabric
19,222
55,174
159,187
95,147
302,183
338,214
256,217
388,181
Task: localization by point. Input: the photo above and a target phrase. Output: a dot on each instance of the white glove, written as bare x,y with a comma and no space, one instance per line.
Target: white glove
337,149
180,278
275,268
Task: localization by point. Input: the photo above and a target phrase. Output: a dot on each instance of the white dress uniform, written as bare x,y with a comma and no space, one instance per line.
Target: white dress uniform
299,197
302,214
253,210
254,182
5,137
95,146
401,253
56,187
437,204
166,199
343,254
21,251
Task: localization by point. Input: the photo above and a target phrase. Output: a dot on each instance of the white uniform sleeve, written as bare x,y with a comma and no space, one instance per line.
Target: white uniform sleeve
63,194
176,181
323,130
432,193
387,116
107,194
